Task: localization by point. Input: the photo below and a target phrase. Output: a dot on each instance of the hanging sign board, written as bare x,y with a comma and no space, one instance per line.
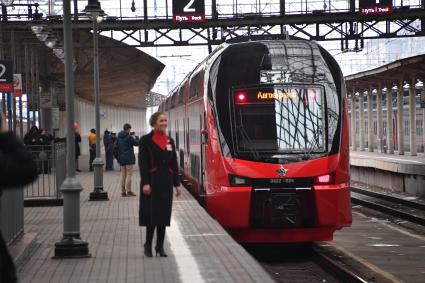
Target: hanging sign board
375,7
188,11
17,85
6,76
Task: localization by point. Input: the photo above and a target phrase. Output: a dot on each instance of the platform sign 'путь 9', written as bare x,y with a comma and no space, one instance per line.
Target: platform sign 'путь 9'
188,11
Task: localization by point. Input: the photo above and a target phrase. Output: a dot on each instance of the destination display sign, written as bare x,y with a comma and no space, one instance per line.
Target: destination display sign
188,11
375,7
267,95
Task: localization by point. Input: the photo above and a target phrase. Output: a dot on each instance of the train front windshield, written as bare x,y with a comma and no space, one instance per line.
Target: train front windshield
278,121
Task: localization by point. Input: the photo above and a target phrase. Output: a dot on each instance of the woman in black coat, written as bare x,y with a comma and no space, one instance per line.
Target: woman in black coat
159,174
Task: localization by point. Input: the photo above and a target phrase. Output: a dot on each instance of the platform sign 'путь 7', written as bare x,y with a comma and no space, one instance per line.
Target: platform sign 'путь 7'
188,11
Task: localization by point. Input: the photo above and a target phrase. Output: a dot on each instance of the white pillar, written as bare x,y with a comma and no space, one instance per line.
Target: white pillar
412,117
379,122
361,122
400,126
353,121
390,132
369,120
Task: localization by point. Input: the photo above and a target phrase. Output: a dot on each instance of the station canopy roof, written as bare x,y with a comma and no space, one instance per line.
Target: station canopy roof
405,69
126,74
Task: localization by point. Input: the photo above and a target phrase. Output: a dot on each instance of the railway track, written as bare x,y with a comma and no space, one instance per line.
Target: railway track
302,263
404,209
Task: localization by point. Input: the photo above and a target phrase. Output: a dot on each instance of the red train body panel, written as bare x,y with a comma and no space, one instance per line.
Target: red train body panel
264,177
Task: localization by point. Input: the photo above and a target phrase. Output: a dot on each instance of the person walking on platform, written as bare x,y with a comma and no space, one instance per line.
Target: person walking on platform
159,174
17,168
77,146
108,142
92,147
126,141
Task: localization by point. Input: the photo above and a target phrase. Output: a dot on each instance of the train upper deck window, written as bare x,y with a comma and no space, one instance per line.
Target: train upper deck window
279,120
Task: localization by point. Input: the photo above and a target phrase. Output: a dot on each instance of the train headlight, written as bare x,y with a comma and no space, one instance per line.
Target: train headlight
238,181
325,179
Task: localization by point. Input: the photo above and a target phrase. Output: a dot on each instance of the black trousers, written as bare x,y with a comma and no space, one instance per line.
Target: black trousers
7,267
92,157
160,235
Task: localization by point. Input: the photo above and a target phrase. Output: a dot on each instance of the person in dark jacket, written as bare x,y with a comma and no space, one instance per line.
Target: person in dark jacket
32,137
92,147
108,142
77,146
126,142
159,174
17,168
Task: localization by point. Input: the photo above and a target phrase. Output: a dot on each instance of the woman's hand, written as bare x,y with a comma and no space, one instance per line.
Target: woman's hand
147,189
178,191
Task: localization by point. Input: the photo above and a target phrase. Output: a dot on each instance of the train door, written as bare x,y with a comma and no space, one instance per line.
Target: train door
204,144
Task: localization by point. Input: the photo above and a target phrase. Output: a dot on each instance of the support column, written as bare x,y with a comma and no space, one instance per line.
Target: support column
353,120
412,116
369,120
390,132
27,84
361,122
379,116
400,126
423,115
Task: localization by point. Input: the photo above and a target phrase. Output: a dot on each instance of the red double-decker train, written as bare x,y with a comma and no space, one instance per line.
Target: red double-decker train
261,132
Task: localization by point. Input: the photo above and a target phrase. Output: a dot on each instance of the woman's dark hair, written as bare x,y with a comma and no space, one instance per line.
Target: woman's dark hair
154,118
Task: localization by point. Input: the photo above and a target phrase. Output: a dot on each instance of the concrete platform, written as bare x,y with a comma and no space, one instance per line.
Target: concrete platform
381,249
199,249
398,173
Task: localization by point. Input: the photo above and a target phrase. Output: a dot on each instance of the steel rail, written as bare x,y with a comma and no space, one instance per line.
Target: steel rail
417,205
337,268
389,210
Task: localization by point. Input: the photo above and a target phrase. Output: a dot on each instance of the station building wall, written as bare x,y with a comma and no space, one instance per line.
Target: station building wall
111,118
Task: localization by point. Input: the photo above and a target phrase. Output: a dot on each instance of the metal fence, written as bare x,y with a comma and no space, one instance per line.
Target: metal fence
51,165
12,213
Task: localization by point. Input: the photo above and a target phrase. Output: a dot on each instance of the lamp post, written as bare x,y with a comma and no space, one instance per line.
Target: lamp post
96,14
71,245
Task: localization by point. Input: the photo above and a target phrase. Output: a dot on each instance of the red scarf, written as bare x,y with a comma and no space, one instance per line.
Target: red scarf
160,139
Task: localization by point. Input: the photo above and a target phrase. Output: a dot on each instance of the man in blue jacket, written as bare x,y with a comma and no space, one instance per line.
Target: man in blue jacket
126,141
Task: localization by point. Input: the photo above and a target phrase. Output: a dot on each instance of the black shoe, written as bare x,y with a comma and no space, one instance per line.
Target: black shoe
160,251
123,194
148,250
78,170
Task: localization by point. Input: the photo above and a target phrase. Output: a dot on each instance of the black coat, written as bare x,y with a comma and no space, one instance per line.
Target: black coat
17,168
159,169
77,144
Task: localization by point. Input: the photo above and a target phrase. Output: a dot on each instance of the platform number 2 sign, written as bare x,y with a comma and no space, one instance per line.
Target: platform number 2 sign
188,11
6,76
